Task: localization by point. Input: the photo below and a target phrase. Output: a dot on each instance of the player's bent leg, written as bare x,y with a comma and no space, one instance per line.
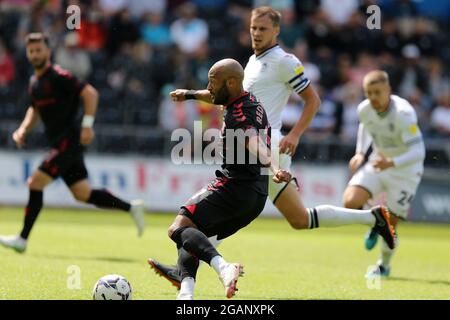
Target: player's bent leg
172,273
186,235
188,265
355,197
290,205
81,190
36,184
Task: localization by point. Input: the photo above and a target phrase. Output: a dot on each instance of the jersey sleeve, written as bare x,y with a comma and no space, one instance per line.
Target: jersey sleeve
411,133
291,72
412,138
69,82
29,98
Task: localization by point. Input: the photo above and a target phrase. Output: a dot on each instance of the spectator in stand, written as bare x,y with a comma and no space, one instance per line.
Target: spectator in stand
92,33
122,29
7,70
155,31
440,117
339,13
438,81
422,105
348,120
139,7
71,57
112,7
414,75
189,32
291,31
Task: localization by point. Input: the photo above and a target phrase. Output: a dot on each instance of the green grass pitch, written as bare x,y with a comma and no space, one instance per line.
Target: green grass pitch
280,263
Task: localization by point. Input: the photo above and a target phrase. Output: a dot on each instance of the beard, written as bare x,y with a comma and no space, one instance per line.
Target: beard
38,65
222,95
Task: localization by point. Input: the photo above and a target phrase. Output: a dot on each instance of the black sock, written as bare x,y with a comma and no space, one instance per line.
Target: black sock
32,210
187,264
195,242
104,199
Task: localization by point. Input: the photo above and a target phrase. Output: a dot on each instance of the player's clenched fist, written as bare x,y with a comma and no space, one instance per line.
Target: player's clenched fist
86,136
282,176
179,94
19,137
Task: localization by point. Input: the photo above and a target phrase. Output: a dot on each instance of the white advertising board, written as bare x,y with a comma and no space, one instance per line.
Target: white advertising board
161,184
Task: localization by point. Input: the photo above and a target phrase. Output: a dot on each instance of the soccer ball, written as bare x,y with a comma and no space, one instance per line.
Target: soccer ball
112,287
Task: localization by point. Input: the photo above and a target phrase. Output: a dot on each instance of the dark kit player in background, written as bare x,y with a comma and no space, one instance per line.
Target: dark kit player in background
54,99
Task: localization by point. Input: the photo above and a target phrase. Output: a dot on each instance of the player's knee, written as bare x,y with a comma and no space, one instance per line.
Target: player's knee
171,230
81,195
34,184
351,201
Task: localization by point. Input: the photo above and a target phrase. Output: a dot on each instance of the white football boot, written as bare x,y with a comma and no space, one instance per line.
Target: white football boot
137,213
229,277
14,242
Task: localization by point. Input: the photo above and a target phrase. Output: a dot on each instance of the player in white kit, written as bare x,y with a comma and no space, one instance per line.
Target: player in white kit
272,75
395,166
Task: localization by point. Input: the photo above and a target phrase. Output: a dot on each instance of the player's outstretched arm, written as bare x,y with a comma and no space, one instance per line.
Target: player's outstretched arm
185,94
312,104
89,95
29,122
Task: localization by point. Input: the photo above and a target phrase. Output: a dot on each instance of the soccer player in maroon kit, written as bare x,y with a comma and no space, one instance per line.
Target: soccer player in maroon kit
54,99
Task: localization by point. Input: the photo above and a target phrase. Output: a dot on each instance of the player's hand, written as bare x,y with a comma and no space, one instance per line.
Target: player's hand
355,162
179,94
382,163
282,176
19,137
289,143
86,136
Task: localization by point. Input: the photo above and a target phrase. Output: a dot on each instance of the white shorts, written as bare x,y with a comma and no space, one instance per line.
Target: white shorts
284,162
400,186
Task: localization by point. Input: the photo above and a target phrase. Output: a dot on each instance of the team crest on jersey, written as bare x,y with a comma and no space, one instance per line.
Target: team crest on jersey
264,67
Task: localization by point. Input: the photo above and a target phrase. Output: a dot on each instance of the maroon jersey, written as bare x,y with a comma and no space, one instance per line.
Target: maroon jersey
56,96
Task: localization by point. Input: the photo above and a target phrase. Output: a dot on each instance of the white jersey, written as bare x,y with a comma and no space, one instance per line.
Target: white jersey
272,77
394,134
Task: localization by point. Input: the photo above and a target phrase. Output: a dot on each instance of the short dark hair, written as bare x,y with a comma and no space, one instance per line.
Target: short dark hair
37,37
273,14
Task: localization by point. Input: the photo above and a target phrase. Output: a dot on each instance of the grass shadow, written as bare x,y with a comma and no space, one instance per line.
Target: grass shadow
444,282
104,259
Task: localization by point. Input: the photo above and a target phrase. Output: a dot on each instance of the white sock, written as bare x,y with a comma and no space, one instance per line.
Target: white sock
331,216
387,254
218,263
187,286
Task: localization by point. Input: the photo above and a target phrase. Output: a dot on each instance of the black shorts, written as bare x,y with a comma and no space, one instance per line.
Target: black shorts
224,206
66,160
